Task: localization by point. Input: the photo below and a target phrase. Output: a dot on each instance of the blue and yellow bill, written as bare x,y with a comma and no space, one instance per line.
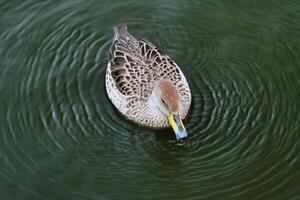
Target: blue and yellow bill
177,125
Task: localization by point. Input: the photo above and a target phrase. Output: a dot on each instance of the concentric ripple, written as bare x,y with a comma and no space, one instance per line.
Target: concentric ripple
61,138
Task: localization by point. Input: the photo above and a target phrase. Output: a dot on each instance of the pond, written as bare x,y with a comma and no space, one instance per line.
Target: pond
61,137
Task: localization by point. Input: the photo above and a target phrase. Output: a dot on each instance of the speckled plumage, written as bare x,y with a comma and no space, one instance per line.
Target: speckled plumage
134,67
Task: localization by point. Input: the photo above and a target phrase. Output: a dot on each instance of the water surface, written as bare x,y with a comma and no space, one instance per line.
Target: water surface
61,138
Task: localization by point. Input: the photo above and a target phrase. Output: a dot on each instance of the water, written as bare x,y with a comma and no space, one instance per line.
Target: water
61,138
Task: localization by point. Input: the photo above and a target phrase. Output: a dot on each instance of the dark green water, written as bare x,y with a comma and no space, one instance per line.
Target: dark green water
61,138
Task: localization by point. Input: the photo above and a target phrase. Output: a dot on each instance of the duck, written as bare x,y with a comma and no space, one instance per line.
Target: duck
145,84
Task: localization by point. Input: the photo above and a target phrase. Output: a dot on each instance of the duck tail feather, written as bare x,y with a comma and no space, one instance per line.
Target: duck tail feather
122,34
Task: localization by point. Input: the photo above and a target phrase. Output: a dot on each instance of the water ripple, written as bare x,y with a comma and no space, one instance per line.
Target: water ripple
58,123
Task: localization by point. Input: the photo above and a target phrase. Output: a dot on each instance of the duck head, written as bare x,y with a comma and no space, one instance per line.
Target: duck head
167,99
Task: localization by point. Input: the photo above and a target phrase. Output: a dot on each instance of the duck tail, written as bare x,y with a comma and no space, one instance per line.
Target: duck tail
122,34
119,29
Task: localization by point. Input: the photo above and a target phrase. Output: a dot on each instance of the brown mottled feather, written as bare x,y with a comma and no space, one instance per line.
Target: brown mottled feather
134,67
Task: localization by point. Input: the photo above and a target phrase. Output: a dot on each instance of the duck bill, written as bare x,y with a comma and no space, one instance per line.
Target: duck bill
177,125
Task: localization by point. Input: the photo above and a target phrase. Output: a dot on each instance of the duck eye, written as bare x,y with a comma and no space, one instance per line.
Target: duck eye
162,100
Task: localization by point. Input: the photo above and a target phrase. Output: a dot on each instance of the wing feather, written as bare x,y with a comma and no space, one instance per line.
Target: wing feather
136,64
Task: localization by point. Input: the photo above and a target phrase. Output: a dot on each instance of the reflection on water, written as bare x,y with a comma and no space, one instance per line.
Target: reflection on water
61,138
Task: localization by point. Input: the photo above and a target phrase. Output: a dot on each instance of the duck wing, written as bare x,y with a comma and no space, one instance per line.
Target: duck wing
135,64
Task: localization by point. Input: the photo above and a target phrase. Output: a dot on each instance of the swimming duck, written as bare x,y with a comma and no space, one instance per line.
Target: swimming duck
145,84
